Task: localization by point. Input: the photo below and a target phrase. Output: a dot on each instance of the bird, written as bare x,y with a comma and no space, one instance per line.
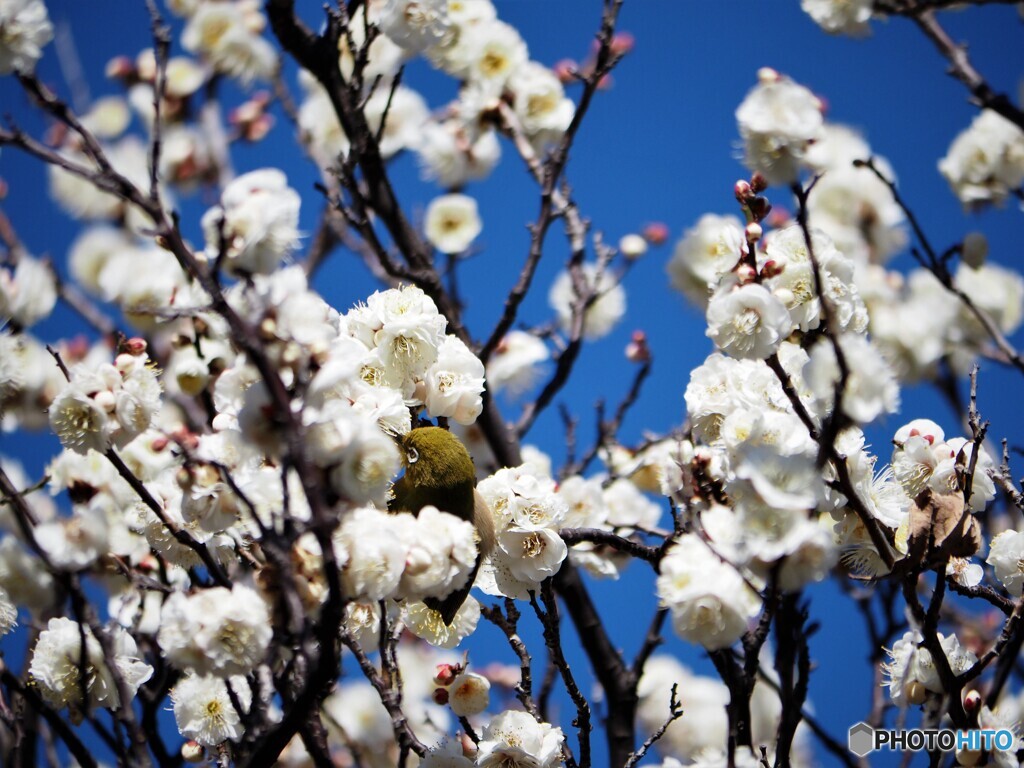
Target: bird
439,472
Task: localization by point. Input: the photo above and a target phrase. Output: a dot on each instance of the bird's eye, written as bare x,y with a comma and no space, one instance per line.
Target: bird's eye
412,455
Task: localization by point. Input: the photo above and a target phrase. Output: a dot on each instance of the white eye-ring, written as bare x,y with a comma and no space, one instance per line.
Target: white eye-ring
412,455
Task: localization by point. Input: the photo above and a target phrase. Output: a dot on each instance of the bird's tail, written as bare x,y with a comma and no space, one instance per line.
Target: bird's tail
450,605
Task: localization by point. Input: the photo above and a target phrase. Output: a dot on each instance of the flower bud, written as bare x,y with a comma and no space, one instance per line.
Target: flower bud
622,43
446,673
637,350
632,246
968,756
440,696
974,250
759,208
145,65
565,70
121,68
135,346
753,232
972,701
916,692
656,233
772,269
767,76
106,400
469,694
745,273
192,752
742,190
758,182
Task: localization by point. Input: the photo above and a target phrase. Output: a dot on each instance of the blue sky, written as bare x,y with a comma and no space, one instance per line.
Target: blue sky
661,145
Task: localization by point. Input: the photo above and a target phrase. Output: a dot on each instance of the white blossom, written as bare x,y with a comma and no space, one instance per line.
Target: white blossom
257,221
602,314
453,156
227,36
540,102
1006,556
56,667
406,113
515,739
447,754
440,553
778,120
469,694
28,293
426,623
203,709
911,673
8,613
711,603
371,554
452,223
514,365
707,252
415,25
216,631
455,383
870,387
24,29
747,322
848,17
985,163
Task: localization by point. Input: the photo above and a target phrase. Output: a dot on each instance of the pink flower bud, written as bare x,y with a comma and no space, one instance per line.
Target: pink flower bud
446,673
745,273
656,233
135,346
772,269
121,68
972,701
622,43
192,752
759,183
743,190
565,70
778,218
637,350
259,128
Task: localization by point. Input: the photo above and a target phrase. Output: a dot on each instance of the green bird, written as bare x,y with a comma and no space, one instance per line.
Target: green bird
439,472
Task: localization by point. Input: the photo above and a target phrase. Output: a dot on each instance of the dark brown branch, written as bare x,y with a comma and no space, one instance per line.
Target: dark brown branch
507,623
549,619
937,267
675,711
960,67
75,746
609,539
400,725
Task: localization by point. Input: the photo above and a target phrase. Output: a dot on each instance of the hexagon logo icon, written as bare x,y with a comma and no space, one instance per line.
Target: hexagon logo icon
861,739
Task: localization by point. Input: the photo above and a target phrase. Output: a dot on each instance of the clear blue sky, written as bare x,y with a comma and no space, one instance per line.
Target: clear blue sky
660,145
